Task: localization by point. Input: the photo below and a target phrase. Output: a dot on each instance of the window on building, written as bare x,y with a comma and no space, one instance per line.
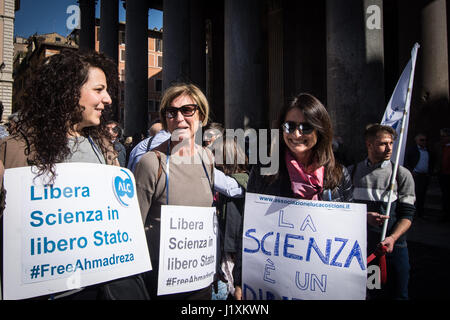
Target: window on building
122,75
151,59
57,39
151,106
121,37
158,45
122,55
160,61
158,85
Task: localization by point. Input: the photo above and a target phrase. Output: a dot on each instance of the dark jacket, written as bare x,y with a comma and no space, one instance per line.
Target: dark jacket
122,153
412,157
281,187
231,219
230,212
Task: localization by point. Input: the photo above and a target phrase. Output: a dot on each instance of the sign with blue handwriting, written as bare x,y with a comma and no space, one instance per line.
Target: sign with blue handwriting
83,229
303,250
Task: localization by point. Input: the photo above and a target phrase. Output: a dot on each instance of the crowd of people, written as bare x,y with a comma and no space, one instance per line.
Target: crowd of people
66,119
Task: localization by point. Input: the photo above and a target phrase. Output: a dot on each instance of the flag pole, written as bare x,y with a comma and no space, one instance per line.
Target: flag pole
400,141
394,174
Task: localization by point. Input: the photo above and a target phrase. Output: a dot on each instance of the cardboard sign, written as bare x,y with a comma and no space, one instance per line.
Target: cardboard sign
85,228
187,255
301,249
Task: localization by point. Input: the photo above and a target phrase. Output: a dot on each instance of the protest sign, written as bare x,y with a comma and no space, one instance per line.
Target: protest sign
85,228
187,255
302,249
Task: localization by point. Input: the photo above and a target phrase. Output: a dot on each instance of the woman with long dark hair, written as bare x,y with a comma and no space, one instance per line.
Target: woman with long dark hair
308,169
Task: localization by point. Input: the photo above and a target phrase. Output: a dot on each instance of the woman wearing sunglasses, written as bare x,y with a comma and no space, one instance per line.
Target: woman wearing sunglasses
308,169
177,172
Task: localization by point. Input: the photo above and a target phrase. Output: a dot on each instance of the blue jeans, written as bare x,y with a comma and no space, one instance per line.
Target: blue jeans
396,287
222,293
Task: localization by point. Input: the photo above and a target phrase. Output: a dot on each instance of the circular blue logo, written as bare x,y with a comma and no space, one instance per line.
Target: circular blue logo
123,188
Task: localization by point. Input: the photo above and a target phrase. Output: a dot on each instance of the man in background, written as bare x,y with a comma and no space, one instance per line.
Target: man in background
419,161
156,136
116,133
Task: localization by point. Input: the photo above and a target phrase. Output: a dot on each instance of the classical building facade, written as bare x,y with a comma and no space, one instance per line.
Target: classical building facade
154,66
7,11
31,52
252,56
38,47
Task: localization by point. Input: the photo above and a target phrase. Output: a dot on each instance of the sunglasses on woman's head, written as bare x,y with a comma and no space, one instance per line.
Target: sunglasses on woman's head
187,110
290,127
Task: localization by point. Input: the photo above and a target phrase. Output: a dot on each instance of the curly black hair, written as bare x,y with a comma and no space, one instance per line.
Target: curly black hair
51,107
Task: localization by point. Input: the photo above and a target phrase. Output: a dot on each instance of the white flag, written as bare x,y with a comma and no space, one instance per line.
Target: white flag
401,100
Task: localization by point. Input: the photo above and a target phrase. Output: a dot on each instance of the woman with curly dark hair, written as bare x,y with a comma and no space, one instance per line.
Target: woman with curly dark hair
62,119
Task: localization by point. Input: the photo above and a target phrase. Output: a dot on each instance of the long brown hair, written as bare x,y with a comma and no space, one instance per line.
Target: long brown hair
322,153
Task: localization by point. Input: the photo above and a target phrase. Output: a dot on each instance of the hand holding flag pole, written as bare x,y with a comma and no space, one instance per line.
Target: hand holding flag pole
394,174
403,96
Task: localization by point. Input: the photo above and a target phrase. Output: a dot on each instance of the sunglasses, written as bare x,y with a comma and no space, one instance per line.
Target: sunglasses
187,110
290,127
115,129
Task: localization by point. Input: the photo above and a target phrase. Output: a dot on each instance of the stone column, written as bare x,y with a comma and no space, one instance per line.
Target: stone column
87,24
109,38
304,49
447,5
184,42
355,76
432,71
177,44
136,71
275,38
198,44
109,28
215,73
244,70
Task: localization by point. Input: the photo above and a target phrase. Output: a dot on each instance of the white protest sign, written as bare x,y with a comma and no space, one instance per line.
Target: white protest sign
302,249
187,255
84,229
